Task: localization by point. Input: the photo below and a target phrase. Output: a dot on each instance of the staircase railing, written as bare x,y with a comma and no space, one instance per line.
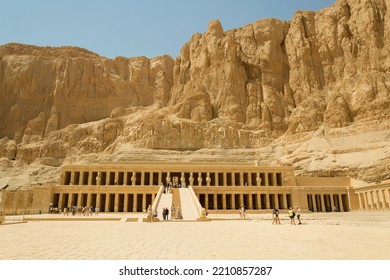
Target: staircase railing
196,201
158,198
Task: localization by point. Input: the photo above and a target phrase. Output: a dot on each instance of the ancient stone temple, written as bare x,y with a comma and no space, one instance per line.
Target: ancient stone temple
216,187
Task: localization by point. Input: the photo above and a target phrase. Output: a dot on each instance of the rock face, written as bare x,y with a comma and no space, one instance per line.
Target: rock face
267,85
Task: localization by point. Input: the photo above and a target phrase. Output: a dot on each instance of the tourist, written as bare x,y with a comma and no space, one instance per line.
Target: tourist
291,214
299,215
166,214
173,212
242,211
149,213
166,211
155,214
275,216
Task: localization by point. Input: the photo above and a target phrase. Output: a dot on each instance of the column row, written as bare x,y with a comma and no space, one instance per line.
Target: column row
107,202
328,202
226,201
145,178
374,199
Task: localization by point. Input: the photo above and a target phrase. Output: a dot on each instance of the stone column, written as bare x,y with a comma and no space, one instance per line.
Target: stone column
206,200
233,201
98,199
341,203
216,179
183,180
215,201
258,197
387,197
135,202
126,203
267,201
116,202
242,183
108,202
323,203
331,202
224,179
375,199
285,201
200,179
79,200
144,206
266,179
360,201
98,179
314,202
250,201
208,179
378,199
90,178
60,200
116,179
72,175
258,180
241,199
89,196
277,201
365,200
370,200
274,179
224,201
383,198
250,179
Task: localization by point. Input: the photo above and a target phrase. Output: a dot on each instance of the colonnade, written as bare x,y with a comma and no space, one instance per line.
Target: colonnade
250,200
106,201
374,199
151,178
328,202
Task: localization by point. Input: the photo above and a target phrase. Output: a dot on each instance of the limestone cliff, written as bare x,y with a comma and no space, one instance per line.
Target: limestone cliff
270,87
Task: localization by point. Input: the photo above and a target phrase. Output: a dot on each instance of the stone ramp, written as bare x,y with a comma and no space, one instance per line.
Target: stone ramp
165,202
188,207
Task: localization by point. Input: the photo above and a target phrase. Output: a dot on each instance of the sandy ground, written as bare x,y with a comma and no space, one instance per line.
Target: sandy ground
322,236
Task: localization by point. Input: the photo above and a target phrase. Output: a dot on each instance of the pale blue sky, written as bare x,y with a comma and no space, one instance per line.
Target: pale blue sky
133,27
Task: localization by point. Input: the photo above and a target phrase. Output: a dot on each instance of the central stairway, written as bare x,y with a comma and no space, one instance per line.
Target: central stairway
165,202
185,199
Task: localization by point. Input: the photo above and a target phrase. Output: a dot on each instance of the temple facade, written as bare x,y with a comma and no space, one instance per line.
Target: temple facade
219,187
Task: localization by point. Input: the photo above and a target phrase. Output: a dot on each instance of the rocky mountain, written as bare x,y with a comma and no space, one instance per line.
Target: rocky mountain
313,92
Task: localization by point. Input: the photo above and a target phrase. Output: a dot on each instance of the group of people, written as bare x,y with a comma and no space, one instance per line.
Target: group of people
175,213
169,186
291,214
81,210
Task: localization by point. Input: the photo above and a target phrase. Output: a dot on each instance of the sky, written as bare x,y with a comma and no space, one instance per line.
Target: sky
132,28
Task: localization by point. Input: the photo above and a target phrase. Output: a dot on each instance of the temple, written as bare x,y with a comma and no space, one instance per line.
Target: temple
212,187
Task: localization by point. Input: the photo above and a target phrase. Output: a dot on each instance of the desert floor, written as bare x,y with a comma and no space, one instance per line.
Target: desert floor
322,236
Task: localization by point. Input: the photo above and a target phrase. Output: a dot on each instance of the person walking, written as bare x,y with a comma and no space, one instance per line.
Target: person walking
242,211
299,215
291,214
149,213
275,215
